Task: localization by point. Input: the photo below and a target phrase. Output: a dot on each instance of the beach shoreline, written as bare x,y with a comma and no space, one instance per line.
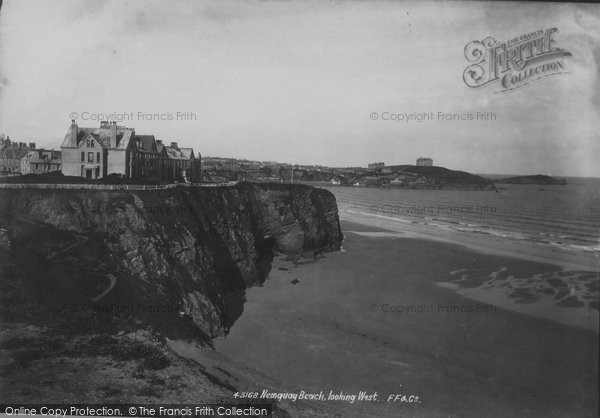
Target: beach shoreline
523,249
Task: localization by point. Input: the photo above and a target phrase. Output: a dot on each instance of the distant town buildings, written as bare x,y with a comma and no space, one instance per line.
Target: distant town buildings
425,162
18,158
39,161
95,153
223,164
11,154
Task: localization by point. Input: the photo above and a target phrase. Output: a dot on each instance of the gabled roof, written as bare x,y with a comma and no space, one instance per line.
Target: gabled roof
125,137
95,137
102,135
175,154
145,143
14,151
187,152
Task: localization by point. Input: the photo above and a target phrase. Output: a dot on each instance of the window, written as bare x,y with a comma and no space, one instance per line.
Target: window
97,157
90,143
90,157
82,156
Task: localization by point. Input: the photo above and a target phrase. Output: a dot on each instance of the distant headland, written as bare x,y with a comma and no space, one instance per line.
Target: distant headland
539,179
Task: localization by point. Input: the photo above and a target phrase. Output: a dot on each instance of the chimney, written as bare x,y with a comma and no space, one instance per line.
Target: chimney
103,124
159,141
32,145
74,132
113,134
174,145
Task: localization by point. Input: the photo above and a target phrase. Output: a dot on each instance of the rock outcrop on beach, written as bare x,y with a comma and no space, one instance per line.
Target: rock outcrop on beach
166,257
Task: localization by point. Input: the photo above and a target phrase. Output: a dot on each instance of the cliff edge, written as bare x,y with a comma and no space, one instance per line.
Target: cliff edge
173,259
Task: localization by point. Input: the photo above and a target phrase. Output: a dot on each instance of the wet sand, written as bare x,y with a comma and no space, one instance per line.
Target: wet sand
386,314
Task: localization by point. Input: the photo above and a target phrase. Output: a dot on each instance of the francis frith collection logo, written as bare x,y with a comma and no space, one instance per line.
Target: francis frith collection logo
516,62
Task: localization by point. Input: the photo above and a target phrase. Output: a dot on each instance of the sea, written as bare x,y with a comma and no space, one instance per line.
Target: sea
557,215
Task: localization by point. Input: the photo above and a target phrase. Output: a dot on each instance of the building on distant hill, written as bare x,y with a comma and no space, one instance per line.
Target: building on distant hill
375,166
425,162
39,161
95,153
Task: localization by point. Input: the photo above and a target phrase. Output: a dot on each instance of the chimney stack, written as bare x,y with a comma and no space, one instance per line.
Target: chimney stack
113,134
74,133
174,145
103,124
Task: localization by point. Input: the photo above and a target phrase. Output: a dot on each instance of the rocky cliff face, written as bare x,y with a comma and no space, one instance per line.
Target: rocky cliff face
165,256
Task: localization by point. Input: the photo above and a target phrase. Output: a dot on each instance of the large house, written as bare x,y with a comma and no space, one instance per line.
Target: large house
112,149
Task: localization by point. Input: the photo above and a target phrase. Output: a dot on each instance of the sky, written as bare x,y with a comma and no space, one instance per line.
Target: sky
300,81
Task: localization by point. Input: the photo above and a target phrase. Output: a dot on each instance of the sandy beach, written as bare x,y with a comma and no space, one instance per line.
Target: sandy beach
567,294
395,313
